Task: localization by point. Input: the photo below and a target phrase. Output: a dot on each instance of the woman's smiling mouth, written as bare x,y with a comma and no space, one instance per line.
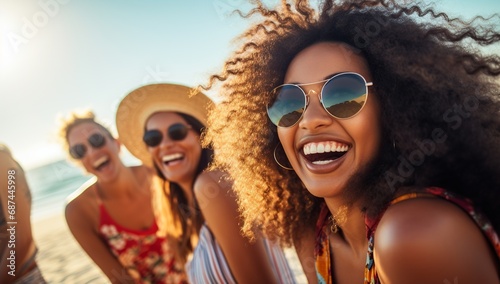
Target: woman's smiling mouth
321,153
167,159
101,163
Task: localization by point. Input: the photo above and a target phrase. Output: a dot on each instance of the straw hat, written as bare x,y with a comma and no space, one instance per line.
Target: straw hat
141,103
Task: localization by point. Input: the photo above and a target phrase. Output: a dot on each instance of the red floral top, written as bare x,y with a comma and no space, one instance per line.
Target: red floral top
147,257
322,247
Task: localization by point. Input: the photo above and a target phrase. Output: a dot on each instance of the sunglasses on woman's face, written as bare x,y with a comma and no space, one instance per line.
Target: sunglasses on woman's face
342,96
96,141
175,132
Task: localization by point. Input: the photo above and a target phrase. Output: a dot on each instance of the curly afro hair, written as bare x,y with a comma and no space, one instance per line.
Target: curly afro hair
438,90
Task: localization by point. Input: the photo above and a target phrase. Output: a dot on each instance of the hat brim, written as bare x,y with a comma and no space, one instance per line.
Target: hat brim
140,104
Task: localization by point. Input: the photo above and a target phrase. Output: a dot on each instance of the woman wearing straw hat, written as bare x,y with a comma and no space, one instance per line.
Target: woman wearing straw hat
161,124
111,216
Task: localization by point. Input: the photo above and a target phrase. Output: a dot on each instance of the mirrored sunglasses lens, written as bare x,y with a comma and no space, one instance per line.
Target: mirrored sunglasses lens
344,95
178,131
288,107
78,151
97,140
152,138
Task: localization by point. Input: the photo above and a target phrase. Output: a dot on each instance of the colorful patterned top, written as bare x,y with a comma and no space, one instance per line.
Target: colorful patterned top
322,247
209,265
147,257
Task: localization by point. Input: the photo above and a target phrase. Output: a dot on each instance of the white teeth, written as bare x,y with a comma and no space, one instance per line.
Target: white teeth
100,161
313,149
321,148
168,158
324,147
322,162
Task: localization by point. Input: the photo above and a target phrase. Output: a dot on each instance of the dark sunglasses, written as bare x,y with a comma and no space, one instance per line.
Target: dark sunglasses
175,132
342,96
78,151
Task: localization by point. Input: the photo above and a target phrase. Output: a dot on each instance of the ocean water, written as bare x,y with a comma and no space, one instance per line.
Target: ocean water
50,186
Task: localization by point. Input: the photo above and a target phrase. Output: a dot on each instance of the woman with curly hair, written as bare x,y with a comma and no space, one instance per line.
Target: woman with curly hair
366,134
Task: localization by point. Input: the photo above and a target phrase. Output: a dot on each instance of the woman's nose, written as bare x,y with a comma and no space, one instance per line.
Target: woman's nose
166,141
314,115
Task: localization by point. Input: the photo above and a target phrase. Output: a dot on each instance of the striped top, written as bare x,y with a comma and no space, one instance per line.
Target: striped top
209,265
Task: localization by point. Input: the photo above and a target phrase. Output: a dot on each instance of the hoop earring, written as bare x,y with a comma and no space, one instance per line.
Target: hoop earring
276,158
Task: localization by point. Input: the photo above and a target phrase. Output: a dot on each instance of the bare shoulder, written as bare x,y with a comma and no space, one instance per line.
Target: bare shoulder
212,184
81,206
84,192
217,202
431,240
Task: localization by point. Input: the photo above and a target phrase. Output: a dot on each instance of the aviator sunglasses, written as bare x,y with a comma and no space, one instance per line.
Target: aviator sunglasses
79,150
175,132
342,96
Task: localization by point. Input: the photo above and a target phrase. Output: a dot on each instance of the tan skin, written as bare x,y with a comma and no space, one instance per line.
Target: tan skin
417,241
24,243
118,187
215,198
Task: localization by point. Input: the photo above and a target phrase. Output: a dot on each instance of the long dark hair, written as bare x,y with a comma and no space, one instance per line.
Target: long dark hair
188,216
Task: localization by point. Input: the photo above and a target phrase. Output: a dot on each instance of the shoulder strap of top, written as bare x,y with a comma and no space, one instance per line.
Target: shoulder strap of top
435,192
104,217
464,203
322,247
479,217
411,195
208,264
372,223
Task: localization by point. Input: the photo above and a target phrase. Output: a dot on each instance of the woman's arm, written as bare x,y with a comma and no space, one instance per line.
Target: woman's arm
429,240
247,260
304,246
16,237
80,224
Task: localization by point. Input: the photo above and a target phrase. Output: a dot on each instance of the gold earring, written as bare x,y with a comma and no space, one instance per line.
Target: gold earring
276,159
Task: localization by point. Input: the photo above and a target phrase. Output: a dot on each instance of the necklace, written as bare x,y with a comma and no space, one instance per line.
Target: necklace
334,227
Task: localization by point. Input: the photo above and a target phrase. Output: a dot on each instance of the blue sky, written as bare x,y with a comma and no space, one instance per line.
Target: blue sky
61,55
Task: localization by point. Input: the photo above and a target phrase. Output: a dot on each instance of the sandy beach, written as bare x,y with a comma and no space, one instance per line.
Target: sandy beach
62,260
60,257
